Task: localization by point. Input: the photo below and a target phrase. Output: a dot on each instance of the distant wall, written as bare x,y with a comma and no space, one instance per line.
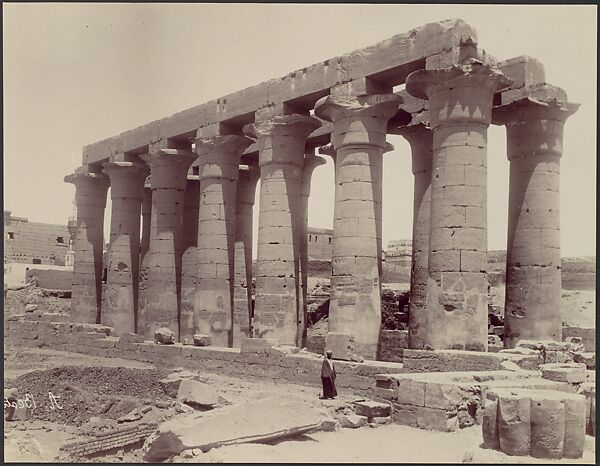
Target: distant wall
16,273
52,279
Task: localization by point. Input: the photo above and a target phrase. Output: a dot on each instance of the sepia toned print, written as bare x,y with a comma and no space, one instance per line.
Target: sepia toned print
237,281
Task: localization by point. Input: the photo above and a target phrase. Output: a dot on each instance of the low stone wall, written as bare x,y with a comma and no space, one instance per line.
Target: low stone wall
458,360
274,363
52,279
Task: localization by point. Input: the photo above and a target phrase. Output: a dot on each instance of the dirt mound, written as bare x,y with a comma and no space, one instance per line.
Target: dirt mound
83,392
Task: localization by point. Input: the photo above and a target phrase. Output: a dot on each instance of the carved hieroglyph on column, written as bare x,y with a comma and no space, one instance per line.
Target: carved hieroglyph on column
189,258
420,139
168,175
90,197
242,292
460,103
359,139
120,298
218,158
281,142
534,130
311,162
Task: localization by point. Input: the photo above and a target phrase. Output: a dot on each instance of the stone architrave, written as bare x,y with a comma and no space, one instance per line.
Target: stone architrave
359,140
242,290
534,130
311,162
189,258
168,178
281,141
90,198
460,104
219,158
120,297
420,138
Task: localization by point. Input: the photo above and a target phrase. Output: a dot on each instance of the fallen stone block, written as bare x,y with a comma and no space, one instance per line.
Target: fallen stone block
164,336
567,372
353,421
372,409
31,307
194,393
589,359
254,422
202,340
540,423
588,389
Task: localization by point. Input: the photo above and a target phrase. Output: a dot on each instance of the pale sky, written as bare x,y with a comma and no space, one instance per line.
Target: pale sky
78,73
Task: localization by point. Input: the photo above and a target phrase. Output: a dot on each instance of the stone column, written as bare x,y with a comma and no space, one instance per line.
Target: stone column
168,171
281,141
311,162
420,139
144,247
534,132
146,217
242,291
90,197
219,158
359,133
460,102
120,299
189,259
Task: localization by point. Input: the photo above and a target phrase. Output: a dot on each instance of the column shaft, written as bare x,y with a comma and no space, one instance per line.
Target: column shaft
90,198
281,141
189,259
533,277
168,172
242,292
120,298
310,163
420,138
213,308
460,111
359,133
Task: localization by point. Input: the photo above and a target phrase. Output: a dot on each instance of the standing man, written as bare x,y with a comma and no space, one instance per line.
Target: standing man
328,377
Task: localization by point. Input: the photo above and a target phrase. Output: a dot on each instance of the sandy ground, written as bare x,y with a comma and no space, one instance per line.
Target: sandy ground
384,444
39,441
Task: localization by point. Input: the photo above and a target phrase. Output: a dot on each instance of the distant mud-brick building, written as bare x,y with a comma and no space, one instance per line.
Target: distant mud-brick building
33,242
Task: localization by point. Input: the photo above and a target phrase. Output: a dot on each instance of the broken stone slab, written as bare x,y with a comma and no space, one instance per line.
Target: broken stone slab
194,393
31,307
511,366
253,422
342,346
565,372
163,404
353,421
257,345
170,384
202,340
524,351
372,409
164,336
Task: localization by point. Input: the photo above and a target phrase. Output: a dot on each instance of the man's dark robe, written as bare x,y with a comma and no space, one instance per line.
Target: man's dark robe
328,378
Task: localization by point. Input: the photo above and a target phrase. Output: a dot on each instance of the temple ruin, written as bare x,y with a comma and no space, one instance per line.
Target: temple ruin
191,178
